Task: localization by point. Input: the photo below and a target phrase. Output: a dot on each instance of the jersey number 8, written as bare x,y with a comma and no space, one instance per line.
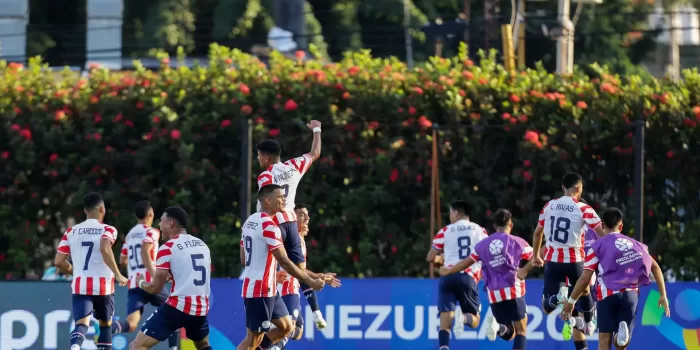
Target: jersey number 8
465,246
559,230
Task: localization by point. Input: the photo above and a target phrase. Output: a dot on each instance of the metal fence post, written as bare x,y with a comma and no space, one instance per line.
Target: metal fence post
639,169
246,166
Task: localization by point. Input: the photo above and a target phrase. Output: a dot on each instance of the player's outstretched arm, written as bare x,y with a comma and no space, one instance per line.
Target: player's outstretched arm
315,152
432,255
536,245
661,284
108,257
62,264
460,266
146,248
156,285
581,286
281,256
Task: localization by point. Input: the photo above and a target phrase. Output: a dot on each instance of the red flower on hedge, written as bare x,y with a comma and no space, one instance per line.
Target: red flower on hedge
59,115
118,117
514,98
394,175
26,134
53,157
42,222
139,105
373,125
259,120
273,132
581,105
419,178
412,110
506,116
468,75
129,123
425,122
247,109
353,70
531,136
394,250
418,90
15,127
175,134
670,154
290,105
5,154
527,176
244,89
527,163
225,123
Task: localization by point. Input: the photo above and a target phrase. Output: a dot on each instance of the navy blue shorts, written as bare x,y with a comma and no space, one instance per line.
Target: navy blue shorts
137,299
458,288
555,275
167,319
100,306
259,312
617,308
293,304
509,311
292,241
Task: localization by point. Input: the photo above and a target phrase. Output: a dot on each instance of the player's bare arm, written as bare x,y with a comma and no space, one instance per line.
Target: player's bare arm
316,145
242,255
661,284
460,266
124,260
281,256
61,263
599,230
525,270
581,286
537,245
108,257
432,255
146,248
156,285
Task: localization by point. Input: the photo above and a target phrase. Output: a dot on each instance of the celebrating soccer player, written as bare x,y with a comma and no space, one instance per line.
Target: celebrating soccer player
263,248
186,259
562,222
139,254
501,254
456,241
288,175
623,265
96,273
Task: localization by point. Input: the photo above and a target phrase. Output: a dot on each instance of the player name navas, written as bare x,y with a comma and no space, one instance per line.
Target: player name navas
88,231
563,207
191,244
285,175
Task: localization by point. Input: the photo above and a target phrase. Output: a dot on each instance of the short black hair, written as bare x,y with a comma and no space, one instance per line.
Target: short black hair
141,209
270,147
571,179
267,190
502,217
461,207
178,214
300,206
92,200
612,217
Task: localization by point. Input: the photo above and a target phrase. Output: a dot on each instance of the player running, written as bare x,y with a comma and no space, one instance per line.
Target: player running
623,265
263,248
96,273
562,221
139,254
501,254
456,241
185,259
288,175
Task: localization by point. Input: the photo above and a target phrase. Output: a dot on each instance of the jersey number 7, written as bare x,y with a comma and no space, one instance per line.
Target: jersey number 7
90,245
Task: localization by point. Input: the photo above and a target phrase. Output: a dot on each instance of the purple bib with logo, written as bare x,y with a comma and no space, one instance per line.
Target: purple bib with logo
588,239
500,254
625,262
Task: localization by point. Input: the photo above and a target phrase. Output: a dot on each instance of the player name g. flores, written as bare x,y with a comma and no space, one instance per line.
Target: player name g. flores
377,322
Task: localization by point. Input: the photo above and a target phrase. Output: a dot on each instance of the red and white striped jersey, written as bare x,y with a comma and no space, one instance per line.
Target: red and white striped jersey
564,220
601,290
287,175
259,238
91,276
457,241
137,236
188,260
508,293
291,284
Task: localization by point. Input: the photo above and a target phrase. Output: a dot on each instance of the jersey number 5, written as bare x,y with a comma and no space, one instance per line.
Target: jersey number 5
199,268
559,230
465,246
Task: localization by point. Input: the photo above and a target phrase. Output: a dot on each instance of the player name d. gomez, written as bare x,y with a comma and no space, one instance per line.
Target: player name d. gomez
190,244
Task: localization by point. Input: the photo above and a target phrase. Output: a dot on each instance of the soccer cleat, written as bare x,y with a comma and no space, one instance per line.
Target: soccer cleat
459,322
568,328
491,328
75,347
623,334
562,295
319,321
591,327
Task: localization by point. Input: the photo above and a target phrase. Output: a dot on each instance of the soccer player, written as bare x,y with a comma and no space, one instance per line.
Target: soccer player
185,259
96,273
139,254
263,248
623,265
501,254
457,241
288,175
562,221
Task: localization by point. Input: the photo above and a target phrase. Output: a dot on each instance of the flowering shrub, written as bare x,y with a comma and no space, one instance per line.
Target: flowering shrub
173,137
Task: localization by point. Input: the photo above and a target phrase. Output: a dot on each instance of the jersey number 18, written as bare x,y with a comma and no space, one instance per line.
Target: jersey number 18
559,230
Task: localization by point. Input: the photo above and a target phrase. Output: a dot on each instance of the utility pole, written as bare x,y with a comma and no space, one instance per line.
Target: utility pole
565,41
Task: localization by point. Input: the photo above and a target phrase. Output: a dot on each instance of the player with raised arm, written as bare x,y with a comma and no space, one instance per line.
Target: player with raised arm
501,254
139,255
623,265
562,222
456,241
95,274
263,248
288,175
187,260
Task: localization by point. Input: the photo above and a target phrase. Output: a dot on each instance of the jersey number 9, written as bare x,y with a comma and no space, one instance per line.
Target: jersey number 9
248,250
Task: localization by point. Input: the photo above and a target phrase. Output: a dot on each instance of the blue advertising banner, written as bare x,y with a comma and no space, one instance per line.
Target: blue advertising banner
362,314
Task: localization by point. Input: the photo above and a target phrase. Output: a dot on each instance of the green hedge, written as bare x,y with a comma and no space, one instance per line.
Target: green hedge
173,136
